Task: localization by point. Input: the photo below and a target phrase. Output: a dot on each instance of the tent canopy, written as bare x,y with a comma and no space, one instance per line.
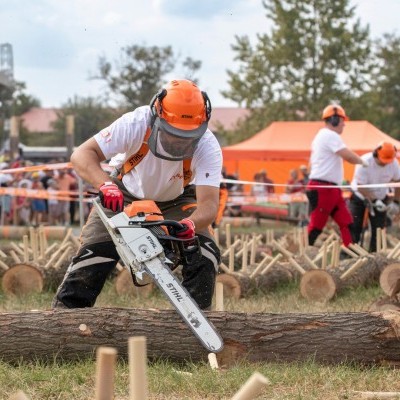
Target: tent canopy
292,140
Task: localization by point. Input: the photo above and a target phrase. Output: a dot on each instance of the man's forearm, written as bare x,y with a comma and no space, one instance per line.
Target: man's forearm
204,215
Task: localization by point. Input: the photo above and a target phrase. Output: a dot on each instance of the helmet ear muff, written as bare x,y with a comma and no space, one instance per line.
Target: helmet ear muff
153,106
207,105
334,120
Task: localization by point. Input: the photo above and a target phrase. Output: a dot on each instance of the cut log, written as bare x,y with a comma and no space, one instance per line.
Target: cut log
389,279
365,338
22,279
124,285
318,285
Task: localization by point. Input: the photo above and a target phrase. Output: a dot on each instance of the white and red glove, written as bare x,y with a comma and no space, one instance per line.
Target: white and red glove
111,197
188,230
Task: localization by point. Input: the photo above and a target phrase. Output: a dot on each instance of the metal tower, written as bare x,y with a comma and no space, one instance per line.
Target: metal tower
6,64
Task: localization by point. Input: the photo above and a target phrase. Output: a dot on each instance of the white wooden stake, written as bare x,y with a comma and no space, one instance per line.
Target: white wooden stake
252,388
138,386
228,235
219,296
105,373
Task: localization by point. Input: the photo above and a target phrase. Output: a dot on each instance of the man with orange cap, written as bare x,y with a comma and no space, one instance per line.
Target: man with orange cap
382,167
163,152
323,192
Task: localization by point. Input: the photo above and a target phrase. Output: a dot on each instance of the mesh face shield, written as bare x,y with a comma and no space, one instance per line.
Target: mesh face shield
173,144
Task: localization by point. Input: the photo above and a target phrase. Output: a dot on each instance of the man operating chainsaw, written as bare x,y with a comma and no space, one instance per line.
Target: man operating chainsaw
162,152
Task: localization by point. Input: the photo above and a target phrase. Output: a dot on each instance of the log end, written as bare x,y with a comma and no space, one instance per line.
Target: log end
389,279
22,279
317,285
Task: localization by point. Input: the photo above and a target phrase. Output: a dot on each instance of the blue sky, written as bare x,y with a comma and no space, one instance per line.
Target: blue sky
57,43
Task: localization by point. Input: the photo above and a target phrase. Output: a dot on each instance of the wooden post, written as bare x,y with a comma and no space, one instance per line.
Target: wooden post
231,258
228,235
378,240
219,296
212,359
14,137
245,256
324,255
105,373
26,248
69,134
252,388
138,386
253,250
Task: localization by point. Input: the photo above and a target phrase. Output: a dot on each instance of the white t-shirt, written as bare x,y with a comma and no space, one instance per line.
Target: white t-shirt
154,178
375,173
325,164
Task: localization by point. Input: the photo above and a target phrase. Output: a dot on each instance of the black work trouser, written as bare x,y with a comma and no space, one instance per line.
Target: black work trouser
358,210
97,257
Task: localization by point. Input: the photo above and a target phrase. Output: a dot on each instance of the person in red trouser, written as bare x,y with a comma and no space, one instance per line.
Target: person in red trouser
325,197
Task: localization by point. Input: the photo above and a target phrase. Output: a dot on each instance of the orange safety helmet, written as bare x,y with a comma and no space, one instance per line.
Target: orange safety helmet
179,118
385,152
334,110
182,104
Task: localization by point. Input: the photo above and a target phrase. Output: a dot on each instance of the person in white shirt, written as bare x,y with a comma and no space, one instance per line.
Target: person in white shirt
382,167
325,197
174,146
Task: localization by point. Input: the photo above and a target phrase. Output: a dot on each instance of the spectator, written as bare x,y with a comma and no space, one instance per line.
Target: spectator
258,189
305,175
382,167
327,154
269,188
54,207
297,208
66,182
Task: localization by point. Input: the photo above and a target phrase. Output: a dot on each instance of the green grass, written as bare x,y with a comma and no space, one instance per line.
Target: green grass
297,381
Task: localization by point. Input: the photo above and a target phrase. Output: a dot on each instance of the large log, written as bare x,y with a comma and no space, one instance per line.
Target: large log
367,338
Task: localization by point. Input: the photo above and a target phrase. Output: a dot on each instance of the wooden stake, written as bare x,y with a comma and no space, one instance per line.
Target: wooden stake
62,258
300,237
310,262
17,249
14,256
234,245
384,240
228,235
231,258
4,266
105,373
244,257
26,248
358,264
260,265
4,255
378,240
138,386
219,296
305,235
271,263
348,251
253,250
216,236
324,255
395,249
212,359
252,388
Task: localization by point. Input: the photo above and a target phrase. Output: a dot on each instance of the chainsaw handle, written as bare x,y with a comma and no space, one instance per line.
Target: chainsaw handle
165,222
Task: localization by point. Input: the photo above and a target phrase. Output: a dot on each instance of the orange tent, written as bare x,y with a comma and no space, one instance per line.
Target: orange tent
283,146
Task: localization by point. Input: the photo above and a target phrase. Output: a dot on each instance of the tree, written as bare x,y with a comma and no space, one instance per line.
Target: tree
91,115
140,72
314,54
384,108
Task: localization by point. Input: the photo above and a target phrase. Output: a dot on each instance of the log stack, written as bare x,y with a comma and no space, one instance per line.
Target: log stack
32,265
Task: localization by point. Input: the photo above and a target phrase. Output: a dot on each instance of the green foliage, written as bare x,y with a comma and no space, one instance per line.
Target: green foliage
314,54
140,72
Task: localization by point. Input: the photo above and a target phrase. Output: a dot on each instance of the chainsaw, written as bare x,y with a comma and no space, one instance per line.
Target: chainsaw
146,245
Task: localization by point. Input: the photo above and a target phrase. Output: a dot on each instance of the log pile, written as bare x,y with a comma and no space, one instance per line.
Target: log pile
252,263
32,265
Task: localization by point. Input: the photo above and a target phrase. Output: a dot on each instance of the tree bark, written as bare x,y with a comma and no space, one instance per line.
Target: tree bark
366,338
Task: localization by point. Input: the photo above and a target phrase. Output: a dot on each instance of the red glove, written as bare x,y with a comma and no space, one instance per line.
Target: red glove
111,197
188,230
